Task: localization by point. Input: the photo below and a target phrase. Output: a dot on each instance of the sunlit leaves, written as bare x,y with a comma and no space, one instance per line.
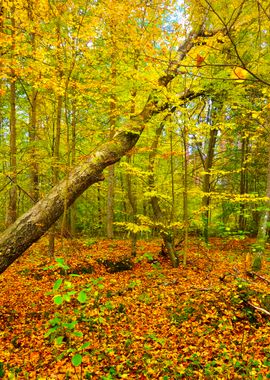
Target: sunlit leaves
76,360
57,284
58,300
82,297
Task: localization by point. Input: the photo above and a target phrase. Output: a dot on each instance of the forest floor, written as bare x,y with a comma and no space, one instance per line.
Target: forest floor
74,318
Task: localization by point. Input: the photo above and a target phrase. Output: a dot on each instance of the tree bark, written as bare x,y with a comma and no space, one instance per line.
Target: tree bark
133,204
215,107
33,224
160,218
207,182
243,181
263,224
12,203
33,129
112,122
185,194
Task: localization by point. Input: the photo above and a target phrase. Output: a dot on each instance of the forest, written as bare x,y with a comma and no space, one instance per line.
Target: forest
134,189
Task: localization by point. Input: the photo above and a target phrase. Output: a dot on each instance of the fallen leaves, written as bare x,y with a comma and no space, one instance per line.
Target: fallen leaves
149,322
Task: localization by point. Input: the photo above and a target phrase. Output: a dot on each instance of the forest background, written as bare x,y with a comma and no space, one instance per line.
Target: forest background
169,99
74,74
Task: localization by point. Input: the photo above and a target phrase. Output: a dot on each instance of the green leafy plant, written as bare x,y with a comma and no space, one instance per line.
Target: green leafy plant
63,328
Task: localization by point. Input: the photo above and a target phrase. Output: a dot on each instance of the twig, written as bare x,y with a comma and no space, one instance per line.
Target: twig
253,274
259,308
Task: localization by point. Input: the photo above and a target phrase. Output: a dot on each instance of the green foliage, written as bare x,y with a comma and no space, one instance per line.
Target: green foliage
179,315
76,360
90,242
63,327
147,256
2,371
257,263
134,283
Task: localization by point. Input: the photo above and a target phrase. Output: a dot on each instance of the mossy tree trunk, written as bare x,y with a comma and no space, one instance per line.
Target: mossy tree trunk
34,223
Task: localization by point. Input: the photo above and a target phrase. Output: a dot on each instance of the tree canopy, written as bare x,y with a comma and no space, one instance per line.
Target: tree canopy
80,83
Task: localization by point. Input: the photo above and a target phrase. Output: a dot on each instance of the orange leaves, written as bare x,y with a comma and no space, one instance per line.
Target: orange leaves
149,322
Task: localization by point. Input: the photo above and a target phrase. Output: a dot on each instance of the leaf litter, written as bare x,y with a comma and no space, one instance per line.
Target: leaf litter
208,320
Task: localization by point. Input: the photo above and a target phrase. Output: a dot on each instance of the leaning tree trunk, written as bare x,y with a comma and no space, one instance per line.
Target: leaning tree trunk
33,224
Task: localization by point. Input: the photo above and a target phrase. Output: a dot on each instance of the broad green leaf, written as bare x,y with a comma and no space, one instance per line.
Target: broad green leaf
50,331
67,296
79,334
55,321
85,345
82,296
76,360
61,263
70,325
59,340
58,300
57,284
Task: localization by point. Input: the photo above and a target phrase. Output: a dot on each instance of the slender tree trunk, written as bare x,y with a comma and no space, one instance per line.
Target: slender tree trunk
33,137
12,202
263,224
207,182
133,203
57,135
110,203
33,129
243,181
112,121
111,176
100,214
73,209
166,234
185,195
130,190
55,168
208,164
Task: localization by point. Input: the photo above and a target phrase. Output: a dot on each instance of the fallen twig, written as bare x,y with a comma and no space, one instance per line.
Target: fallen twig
253,274
259,308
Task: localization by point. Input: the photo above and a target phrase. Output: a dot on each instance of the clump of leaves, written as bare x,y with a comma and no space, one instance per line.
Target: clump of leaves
63,327
90,242
183,313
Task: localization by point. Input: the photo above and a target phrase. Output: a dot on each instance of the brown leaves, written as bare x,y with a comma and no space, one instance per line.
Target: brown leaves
150,322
